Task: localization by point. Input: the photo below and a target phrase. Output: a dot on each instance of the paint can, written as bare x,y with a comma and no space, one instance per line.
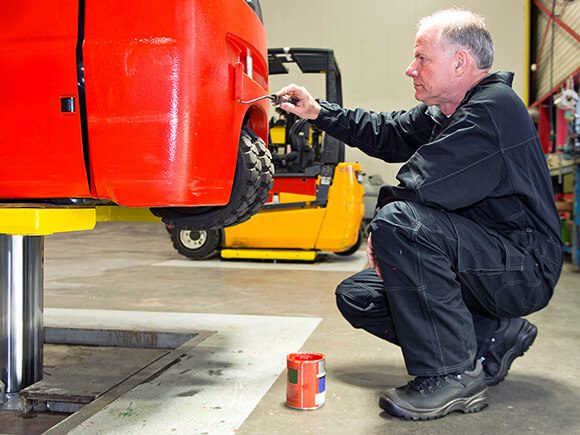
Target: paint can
306,380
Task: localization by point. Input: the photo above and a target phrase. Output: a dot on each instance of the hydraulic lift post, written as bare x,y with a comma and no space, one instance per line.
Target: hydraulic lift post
21,305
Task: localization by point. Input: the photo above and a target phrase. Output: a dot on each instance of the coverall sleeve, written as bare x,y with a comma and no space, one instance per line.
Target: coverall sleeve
460,168
392,137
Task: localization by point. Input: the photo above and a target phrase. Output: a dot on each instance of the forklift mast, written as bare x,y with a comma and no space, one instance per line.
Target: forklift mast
314,61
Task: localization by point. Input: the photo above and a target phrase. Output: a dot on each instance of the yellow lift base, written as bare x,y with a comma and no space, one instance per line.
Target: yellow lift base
269,254
31,220
45,221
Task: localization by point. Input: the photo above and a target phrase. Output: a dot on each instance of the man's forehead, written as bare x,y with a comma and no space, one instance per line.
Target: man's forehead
427,38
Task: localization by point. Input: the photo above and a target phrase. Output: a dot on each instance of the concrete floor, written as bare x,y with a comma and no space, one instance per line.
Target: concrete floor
117,267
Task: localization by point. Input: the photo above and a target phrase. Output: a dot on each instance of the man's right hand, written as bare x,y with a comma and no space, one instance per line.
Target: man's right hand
306,106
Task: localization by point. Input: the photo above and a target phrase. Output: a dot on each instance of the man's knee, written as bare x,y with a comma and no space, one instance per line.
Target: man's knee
361,297
394,215
402,224
363,304
347,302
393,229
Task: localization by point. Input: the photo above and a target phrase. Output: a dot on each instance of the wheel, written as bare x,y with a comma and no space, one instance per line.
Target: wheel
252,181
354,247
266,180
197,245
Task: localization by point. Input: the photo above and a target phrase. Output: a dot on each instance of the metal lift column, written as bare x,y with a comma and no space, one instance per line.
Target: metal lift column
21,304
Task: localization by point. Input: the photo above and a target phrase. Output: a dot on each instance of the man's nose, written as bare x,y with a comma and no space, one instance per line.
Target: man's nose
411,70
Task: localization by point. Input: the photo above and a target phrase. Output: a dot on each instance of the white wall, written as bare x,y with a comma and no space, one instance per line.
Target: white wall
373,44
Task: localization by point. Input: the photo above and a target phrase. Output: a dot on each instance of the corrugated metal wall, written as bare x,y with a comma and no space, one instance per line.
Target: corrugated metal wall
566,52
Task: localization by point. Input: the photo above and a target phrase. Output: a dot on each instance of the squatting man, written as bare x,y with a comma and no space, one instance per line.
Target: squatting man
469,240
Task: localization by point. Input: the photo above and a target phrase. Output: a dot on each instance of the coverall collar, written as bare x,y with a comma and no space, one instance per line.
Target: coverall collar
504,77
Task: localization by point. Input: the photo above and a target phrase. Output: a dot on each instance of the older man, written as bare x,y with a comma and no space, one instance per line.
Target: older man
469,240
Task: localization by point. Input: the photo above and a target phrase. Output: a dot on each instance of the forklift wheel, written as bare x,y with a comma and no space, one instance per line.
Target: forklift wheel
252,182
354,247
197,245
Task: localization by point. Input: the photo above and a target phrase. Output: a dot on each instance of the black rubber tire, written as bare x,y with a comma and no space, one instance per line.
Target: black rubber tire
266,180
197,245
354,247
249,192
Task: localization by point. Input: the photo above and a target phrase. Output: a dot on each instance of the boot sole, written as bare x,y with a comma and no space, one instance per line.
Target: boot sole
465,404
523,342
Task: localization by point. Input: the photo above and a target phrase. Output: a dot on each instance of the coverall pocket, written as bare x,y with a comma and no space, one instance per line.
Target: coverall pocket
522,292
517,246
526,288
548,255
483,253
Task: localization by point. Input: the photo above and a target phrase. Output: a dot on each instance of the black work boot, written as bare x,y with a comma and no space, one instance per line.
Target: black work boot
426,398
511,339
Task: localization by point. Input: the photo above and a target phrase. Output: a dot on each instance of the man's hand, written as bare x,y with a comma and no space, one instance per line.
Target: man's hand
372,259
306,106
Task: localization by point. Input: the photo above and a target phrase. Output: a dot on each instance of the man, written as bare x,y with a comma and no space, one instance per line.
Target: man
469,241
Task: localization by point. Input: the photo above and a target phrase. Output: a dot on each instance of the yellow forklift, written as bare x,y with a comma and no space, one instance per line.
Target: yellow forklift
316,203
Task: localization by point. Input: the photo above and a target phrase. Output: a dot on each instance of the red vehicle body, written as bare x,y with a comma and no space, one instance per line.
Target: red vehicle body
130,102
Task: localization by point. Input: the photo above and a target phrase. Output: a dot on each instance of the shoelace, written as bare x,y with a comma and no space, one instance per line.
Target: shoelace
424,384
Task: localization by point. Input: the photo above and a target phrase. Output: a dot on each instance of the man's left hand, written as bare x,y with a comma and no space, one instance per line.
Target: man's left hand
372,258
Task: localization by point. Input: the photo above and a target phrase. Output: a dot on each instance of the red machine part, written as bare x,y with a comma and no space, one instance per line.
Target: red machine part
162,121
41,147
296,185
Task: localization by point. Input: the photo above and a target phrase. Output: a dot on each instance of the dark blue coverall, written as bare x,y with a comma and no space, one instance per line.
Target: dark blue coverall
470,235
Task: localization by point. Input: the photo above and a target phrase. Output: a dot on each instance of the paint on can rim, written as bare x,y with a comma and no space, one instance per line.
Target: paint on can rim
306,380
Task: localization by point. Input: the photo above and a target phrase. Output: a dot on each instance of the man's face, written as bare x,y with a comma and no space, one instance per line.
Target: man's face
432,69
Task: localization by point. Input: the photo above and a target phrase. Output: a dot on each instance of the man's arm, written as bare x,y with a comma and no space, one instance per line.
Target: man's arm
392,137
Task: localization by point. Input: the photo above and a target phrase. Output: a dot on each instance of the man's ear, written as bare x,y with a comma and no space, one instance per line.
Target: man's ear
462,61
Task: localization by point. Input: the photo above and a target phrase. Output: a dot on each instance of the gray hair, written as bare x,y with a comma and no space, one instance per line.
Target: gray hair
465,29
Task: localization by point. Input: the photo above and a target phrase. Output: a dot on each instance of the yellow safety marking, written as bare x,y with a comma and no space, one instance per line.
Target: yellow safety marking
267,254
45,221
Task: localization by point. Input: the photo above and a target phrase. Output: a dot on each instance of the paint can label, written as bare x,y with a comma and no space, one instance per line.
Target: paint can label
306,380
